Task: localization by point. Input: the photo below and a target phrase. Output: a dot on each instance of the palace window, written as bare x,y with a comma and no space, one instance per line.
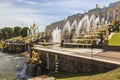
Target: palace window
101,16
110,17
110,12
116,16
116,10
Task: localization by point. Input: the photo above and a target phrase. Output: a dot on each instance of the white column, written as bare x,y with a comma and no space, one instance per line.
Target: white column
107,15
28,33
114,14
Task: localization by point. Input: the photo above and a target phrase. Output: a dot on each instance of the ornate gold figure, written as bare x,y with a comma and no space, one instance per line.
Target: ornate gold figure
94,35
107,33
2,44
56,57
113,22
62,37
47,55
35,57
117,19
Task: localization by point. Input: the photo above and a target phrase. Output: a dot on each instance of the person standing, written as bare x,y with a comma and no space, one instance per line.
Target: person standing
62,41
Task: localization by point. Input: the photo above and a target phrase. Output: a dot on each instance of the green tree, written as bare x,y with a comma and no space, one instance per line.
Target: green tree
6,33
17,31
24,31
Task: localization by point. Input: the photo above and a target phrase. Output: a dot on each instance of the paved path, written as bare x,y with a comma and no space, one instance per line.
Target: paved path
95,54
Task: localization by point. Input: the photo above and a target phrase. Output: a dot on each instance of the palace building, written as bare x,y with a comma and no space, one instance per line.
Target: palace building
60,24
110,13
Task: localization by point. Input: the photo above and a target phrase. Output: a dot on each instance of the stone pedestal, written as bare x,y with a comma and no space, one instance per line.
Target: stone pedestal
34,69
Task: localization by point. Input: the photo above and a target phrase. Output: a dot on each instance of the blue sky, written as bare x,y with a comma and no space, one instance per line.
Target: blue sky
43,12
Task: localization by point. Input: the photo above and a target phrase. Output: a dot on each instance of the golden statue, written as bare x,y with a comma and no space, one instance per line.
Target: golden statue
62,37
56,57
2,45
107,33
35,57
117,19
94,35
113,22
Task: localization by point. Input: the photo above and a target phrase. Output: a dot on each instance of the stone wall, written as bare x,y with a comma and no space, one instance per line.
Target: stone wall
111,48
15,48
72,64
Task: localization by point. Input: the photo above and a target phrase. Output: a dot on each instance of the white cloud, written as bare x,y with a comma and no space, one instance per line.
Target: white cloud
27,2
18,12
12,15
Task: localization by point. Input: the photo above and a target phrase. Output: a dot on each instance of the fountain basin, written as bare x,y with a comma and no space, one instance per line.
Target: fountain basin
45,43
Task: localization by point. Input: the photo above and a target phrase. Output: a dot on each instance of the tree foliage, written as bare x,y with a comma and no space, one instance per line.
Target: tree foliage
24,31
8,32
17,31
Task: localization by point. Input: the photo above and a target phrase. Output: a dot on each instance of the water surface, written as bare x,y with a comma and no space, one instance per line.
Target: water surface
11,65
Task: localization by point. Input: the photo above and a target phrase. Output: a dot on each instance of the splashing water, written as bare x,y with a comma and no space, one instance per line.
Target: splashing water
23,73
56,35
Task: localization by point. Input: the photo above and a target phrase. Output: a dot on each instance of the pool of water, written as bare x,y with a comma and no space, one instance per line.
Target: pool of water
11,65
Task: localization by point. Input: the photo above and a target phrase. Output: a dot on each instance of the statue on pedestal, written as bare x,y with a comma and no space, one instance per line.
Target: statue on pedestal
34,65
35,58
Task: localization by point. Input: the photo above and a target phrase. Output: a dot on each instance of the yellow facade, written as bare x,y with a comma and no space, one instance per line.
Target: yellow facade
110,13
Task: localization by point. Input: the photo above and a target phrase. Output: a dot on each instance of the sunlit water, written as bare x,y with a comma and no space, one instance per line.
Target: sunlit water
11,65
